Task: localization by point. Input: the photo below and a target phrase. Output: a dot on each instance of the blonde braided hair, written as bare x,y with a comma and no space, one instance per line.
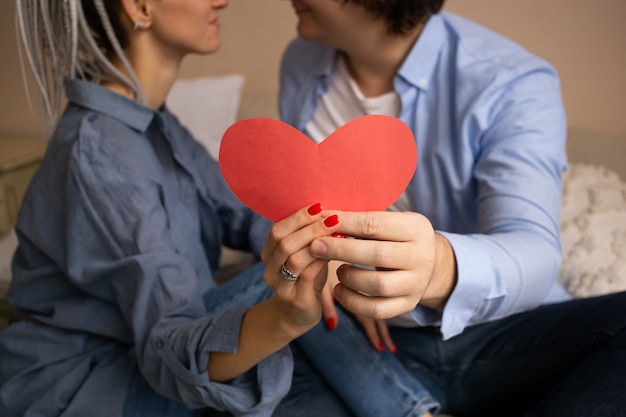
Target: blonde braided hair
57,41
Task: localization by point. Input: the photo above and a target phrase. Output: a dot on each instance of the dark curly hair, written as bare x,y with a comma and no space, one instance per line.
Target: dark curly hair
401,15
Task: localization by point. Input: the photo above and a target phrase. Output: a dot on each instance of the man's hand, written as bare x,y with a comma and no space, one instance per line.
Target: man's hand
376,330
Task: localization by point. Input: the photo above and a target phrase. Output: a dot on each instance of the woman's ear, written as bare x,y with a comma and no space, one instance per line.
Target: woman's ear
138,13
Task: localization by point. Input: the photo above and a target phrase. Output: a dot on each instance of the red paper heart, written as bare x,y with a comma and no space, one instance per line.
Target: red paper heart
275,169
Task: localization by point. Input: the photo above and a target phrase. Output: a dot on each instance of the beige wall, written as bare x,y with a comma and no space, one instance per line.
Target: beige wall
585,40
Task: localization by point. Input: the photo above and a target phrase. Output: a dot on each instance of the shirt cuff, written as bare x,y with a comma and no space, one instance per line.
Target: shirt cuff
184,376
259,391
471,290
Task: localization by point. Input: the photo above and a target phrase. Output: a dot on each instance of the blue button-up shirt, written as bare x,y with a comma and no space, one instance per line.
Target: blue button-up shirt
119,237
490,130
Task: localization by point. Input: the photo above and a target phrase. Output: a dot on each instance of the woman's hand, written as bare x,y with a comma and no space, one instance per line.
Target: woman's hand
412,263
288,246
296,305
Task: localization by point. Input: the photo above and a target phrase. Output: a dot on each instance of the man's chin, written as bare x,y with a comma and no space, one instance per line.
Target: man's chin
306,31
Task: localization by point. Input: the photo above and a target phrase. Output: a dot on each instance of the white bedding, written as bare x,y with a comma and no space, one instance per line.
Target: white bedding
593,231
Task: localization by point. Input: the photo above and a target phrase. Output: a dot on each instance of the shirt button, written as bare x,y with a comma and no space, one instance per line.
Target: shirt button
91,117
158,344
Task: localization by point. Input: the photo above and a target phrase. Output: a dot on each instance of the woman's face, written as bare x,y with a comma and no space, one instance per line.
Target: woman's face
187,26
335,23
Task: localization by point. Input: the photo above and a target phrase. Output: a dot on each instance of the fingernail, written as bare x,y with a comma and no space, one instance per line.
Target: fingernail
394,348
339,235
315,209
338,290
331,323
331,221
381,347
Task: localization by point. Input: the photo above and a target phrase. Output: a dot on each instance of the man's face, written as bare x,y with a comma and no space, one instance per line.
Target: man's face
334,23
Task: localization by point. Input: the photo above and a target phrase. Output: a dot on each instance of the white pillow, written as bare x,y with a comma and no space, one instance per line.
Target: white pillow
207,106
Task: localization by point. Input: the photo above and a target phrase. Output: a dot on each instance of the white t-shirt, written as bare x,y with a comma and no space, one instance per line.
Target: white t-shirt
343,102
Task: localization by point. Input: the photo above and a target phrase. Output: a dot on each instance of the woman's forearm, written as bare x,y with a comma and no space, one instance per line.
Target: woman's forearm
264,330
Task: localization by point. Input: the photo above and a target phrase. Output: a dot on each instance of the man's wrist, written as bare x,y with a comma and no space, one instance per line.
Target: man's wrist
444,276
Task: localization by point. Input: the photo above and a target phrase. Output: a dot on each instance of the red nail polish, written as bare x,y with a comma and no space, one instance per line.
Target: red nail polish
315,209
331,323
381,347
394,348
331,221
339,235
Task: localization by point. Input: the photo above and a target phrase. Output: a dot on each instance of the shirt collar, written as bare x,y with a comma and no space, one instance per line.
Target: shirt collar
325,67
421,61
105,101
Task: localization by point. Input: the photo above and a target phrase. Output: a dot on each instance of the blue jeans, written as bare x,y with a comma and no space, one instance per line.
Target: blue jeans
565,359
369,382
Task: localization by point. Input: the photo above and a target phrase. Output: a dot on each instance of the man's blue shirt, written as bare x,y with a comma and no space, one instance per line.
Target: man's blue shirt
490,128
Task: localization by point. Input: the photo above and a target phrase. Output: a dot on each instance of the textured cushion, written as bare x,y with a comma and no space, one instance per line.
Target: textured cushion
8,243
593,231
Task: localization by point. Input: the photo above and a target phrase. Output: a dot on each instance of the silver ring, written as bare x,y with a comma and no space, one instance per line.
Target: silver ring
287,274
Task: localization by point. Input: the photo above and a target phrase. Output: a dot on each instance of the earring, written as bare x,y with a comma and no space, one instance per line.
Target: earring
139,24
